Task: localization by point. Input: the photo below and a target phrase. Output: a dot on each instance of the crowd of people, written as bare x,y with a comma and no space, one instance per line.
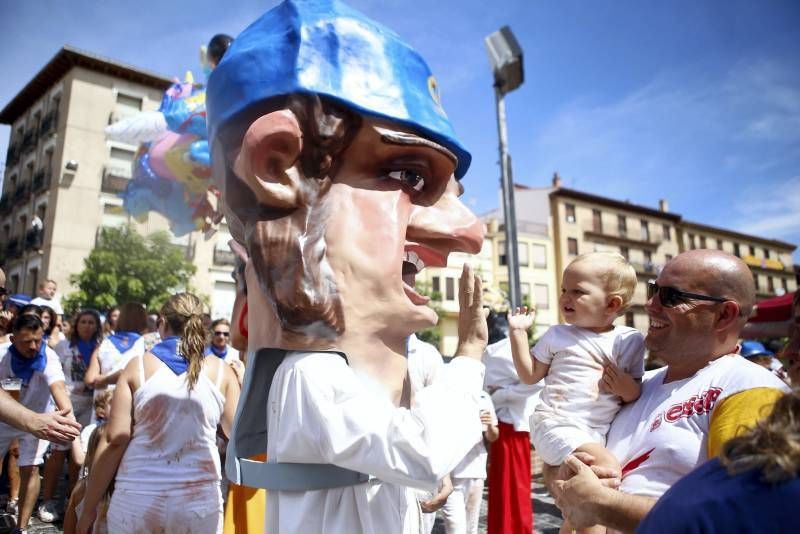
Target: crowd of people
340,177
602,426
157,441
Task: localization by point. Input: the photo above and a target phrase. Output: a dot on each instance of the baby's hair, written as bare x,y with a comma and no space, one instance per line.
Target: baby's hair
103,399
618,275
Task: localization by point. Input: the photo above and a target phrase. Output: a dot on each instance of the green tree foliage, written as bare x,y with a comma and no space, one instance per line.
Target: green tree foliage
128,267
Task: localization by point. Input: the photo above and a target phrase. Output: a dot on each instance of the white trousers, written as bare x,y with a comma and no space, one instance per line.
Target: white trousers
463,506
192,511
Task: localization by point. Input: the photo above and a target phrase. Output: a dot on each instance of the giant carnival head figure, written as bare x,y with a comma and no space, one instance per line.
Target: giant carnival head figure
339,171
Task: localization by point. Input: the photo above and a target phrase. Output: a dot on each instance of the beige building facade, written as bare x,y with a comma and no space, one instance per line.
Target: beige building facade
63,177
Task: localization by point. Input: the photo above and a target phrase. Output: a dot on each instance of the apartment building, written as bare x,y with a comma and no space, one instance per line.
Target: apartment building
769,260
536,268
63,177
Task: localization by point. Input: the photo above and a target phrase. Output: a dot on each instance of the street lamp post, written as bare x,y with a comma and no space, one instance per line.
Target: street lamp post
505,56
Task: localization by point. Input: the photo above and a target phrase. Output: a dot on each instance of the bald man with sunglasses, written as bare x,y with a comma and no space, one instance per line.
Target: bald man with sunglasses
705,395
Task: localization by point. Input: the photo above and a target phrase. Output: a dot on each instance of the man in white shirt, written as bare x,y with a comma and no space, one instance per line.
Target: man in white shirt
38,370
341,193
705,395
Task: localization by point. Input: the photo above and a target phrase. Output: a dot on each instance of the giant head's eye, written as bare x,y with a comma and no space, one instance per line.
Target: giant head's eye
408,178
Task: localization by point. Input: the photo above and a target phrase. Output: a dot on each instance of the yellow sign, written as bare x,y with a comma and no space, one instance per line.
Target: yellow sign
764,263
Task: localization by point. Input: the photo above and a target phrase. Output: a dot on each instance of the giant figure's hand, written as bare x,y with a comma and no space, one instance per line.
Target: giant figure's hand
473,334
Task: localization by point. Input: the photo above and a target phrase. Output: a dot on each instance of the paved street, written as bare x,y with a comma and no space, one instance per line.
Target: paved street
546,517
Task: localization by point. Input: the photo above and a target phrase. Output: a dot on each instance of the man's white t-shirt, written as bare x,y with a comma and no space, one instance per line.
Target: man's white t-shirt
663,435
572,386
36,394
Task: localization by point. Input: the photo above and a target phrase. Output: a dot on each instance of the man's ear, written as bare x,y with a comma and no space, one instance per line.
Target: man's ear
729,314
270,148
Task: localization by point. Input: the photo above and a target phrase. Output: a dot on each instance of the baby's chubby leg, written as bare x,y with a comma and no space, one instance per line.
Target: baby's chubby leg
602,456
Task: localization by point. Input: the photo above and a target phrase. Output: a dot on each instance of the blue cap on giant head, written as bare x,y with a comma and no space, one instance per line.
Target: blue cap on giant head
328,48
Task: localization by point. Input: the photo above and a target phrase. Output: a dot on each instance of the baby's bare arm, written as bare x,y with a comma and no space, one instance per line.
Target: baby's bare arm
529,369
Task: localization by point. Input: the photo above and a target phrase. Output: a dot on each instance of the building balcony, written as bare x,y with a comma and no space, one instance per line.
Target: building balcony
5,204
224,257
767,264
34,239
14,154
41,180
22,193
29,141
648,268
115,180
13,249
622,236
49,123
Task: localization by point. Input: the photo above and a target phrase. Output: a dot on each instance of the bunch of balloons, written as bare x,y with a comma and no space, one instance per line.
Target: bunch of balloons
172,170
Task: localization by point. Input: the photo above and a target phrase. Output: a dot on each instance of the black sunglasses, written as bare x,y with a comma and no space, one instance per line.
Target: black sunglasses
669,296
226,334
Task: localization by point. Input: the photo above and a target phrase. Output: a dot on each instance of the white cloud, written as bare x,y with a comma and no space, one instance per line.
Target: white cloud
770,211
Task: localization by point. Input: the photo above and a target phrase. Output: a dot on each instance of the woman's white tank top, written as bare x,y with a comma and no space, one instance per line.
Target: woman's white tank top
174,433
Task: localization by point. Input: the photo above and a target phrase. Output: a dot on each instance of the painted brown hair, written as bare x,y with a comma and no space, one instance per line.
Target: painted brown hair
287,246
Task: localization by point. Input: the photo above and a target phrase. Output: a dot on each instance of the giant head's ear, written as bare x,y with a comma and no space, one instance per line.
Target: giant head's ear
266,161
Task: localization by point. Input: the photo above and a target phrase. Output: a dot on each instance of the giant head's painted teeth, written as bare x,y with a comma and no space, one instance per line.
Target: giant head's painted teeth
413,258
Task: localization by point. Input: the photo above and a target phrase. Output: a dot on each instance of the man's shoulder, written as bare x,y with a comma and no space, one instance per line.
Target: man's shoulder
734,373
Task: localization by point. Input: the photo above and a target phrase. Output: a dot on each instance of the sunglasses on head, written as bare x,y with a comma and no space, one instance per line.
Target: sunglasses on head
669,296
226,334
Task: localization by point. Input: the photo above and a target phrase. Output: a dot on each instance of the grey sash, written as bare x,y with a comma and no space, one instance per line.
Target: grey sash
249,438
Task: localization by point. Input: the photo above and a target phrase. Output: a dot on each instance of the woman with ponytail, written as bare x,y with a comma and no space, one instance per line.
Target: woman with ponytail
161,435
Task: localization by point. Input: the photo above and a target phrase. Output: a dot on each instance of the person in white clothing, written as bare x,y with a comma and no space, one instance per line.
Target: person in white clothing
161,435
463,506
509,479
424,363
687,410
76,353
32,362
359,187
117,349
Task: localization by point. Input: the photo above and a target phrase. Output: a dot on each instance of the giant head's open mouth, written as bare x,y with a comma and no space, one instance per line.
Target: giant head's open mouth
413,264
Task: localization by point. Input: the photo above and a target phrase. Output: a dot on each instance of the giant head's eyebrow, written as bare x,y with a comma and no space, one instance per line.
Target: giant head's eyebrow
392,137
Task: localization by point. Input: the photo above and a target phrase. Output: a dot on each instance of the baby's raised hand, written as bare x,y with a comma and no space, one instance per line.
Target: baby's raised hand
521,318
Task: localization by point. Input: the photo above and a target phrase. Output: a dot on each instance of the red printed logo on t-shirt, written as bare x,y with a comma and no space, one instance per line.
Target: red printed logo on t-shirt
694,405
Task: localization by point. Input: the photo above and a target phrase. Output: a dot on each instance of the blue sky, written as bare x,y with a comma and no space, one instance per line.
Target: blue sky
695,102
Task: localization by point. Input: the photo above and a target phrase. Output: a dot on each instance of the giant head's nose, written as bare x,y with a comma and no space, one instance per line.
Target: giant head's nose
448,225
